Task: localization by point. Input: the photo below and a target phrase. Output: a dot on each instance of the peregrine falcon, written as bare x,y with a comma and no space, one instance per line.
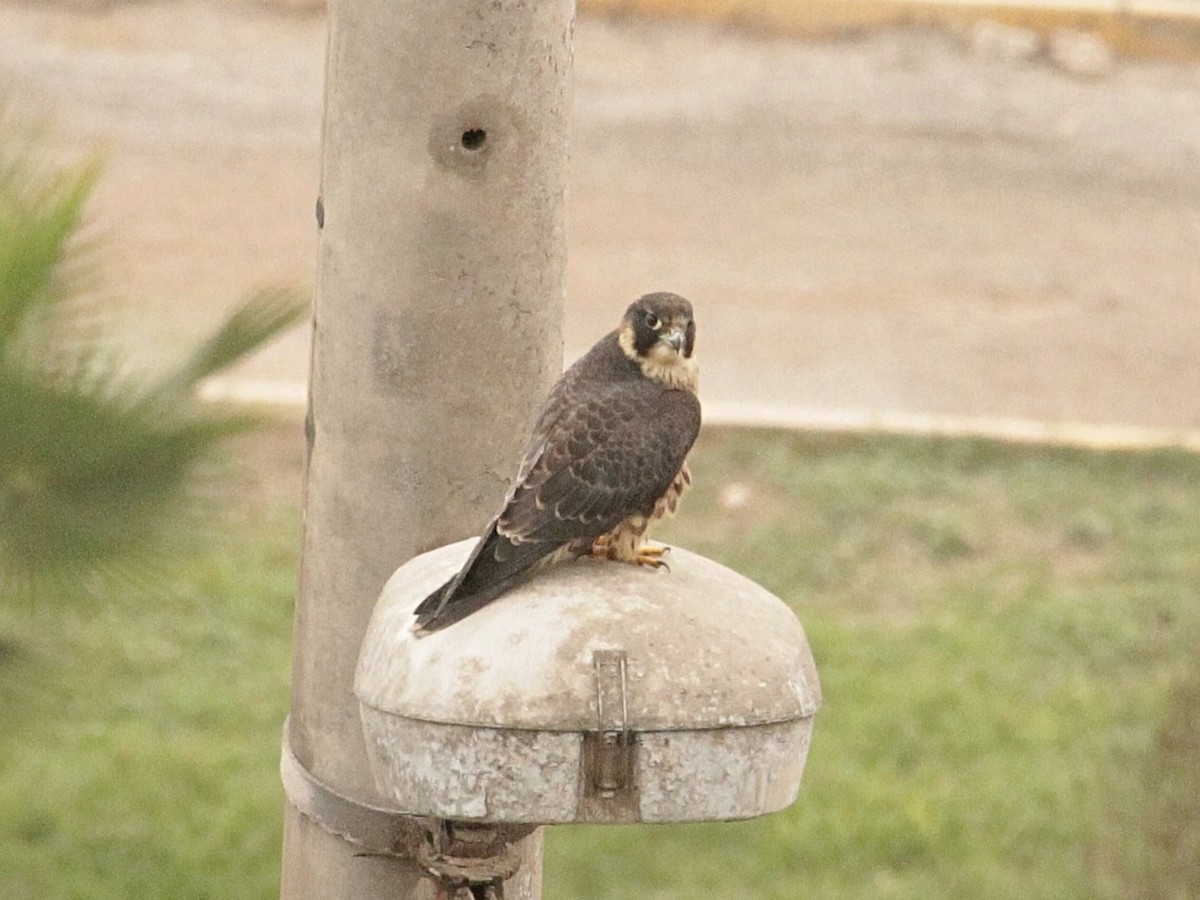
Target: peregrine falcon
607,457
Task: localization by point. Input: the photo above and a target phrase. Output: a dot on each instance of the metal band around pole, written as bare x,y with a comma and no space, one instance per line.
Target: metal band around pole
376,829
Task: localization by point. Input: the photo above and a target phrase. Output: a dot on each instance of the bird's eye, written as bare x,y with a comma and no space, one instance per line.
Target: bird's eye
653,322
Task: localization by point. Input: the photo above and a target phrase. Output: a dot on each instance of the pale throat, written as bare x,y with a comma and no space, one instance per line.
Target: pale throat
662,364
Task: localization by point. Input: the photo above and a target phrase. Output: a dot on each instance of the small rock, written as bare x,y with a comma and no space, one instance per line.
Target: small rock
992,40
1081,53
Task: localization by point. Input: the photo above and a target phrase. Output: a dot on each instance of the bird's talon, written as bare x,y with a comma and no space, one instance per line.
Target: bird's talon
652,555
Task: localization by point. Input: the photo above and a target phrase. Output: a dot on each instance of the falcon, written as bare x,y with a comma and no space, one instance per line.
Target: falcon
608,456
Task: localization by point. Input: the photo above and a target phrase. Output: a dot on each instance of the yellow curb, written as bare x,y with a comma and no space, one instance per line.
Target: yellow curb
1161,29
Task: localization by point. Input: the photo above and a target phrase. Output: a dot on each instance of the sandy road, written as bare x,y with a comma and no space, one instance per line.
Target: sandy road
891,222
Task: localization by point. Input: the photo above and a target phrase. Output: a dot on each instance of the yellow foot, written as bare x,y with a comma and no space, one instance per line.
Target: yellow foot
652,555
646,555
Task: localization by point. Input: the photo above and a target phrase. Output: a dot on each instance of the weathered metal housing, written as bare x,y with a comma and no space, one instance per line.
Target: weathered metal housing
596,692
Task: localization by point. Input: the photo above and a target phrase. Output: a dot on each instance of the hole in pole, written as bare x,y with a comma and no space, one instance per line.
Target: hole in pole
473,139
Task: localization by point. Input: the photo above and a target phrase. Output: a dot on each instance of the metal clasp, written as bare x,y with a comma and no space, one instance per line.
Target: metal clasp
609,753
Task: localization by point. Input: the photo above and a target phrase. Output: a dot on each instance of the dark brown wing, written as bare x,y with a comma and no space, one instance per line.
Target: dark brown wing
610,457
607,453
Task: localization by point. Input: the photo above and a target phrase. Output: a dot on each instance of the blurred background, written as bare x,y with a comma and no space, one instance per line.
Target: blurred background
884,212
960,217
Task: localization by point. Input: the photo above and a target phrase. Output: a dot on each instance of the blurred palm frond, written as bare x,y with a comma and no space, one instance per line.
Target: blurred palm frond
102,469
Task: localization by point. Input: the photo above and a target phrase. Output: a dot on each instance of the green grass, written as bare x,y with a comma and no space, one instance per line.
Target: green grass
1007,642
139,741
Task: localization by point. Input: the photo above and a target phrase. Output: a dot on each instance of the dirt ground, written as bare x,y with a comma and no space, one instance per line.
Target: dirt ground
892,222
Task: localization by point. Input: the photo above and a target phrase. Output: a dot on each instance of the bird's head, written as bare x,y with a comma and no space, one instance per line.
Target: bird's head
659,333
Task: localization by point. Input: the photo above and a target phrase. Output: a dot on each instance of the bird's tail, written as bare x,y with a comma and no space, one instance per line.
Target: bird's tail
427,609
478,585
447,605
496,564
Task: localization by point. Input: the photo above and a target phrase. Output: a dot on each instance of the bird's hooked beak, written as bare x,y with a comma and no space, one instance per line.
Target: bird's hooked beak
674,337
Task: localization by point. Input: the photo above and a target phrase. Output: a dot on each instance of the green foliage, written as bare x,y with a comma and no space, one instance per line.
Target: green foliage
39,218
101,469
1016,717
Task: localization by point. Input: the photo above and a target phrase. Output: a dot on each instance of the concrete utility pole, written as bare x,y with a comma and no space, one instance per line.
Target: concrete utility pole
437,332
